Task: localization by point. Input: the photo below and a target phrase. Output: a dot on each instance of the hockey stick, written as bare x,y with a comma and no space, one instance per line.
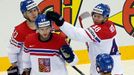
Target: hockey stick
81,17
79,71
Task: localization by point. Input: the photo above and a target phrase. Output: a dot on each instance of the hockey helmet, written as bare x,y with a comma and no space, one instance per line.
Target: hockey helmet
41,21
102,9
26,5
104,63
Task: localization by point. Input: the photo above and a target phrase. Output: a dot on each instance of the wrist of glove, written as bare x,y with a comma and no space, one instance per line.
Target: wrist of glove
67,53
14,64
13,70
57,18
26,71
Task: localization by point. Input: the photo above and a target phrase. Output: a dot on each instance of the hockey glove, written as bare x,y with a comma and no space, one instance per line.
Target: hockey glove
26,71
57,18
13,70
67,53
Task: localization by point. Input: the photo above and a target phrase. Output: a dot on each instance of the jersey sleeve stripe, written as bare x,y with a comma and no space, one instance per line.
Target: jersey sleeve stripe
16,43
44,51
89,36
93,34
25,49
42,54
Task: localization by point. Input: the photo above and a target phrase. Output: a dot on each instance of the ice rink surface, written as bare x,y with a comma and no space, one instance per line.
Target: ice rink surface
128,66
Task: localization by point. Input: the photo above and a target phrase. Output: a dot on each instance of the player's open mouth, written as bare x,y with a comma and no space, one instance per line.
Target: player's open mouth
45,35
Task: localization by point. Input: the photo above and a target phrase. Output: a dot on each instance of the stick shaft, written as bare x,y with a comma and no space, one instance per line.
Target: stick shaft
79,71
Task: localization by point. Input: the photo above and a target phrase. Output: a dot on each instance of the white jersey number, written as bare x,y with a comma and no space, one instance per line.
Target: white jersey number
96,28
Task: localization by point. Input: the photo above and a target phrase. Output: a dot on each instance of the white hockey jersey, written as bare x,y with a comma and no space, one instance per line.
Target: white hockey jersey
100,38
44,57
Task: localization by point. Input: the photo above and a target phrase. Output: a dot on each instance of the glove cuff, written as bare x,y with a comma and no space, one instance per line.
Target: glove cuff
60,21
75,61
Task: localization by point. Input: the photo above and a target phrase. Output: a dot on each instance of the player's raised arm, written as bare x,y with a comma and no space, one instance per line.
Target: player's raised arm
72,32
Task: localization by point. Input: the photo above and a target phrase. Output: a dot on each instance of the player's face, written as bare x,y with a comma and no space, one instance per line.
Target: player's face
98,18
45,32
32,14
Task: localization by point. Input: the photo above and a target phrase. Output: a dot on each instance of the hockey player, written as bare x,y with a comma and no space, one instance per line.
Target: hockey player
104,64
100,36
45,52
30,11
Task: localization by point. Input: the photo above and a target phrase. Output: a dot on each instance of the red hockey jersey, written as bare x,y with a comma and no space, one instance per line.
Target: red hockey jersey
16,43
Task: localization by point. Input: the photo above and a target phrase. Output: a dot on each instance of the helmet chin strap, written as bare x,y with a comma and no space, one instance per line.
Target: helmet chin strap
29,20
106,18
25,16
30,23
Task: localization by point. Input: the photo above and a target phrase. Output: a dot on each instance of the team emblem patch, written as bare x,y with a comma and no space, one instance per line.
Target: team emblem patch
44,65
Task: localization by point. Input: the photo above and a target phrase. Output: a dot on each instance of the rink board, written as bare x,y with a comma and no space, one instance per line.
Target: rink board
126,51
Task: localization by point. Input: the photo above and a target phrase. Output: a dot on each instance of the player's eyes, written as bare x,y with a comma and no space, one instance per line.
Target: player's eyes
32,10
